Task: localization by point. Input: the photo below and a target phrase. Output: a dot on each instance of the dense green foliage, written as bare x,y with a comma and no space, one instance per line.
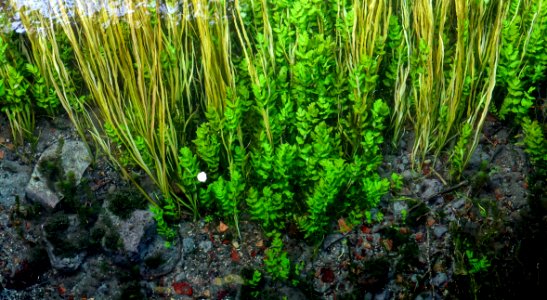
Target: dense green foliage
279,111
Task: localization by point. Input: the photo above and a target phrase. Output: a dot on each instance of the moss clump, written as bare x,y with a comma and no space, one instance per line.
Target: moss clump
56,229
122,203
52,170
130,286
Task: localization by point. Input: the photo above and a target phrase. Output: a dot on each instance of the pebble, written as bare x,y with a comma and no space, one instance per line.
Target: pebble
407,175
205,246
458,203
399,207
188,245
429,187
439,279
439,230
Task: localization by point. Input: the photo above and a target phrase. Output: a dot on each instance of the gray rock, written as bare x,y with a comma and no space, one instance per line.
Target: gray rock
66,262
439,230
331,240
383,295
439,279
131,231
188,245
205,246
477,157
13,179
398,208
429,187
408,175
458,203
291,293
74,158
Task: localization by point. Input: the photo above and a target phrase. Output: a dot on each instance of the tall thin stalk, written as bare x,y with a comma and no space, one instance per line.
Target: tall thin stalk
142,72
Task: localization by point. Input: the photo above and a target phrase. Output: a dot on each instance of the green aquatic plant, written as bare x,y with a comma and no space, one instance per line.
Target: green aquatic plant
446,56
276,261
457,160
523,58
535,145
15,92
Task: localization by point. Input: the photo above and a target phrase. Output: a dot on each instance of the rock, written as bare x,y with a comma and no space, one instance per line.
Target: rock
477,157
188,245
13,179
439,279
398,208
291,293
458,203
205,246
25,269
407,175
383,295
131,230
182,288
157,259
439,230
63,238
331,240
74,157
429,187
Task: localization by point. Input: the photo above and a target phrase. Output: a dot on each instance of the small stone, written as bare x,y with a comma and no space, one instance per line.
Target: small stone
222,227
439,230
111,188
439,279
205,246
188,245
327,275
407,175
419,236
388,244
260,243
458,203
399,207
430,187
183,288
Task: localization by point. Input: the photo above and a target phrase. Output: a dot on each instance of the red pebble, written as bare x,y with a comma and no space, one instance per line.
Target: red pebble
327,275
234,255
365,229
183,288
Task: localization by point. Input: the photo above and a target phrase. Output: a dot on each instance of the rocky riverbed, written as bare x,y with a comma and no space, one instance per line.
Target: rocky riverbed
63,233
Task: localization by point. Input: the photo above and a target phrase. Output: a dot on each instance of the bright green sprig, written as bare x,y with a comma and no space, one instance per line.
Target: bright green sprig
535,145
457,160
276,262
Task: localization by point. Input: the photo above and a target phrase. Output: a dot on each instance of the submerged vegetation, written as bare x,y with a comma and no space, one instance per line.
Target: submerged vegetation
286,106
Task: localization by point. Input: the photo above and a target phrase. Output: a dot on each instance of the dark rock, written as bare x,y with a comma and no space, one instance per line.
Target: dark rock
65,242
13,179
157,259
26,269
291,293
429,187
